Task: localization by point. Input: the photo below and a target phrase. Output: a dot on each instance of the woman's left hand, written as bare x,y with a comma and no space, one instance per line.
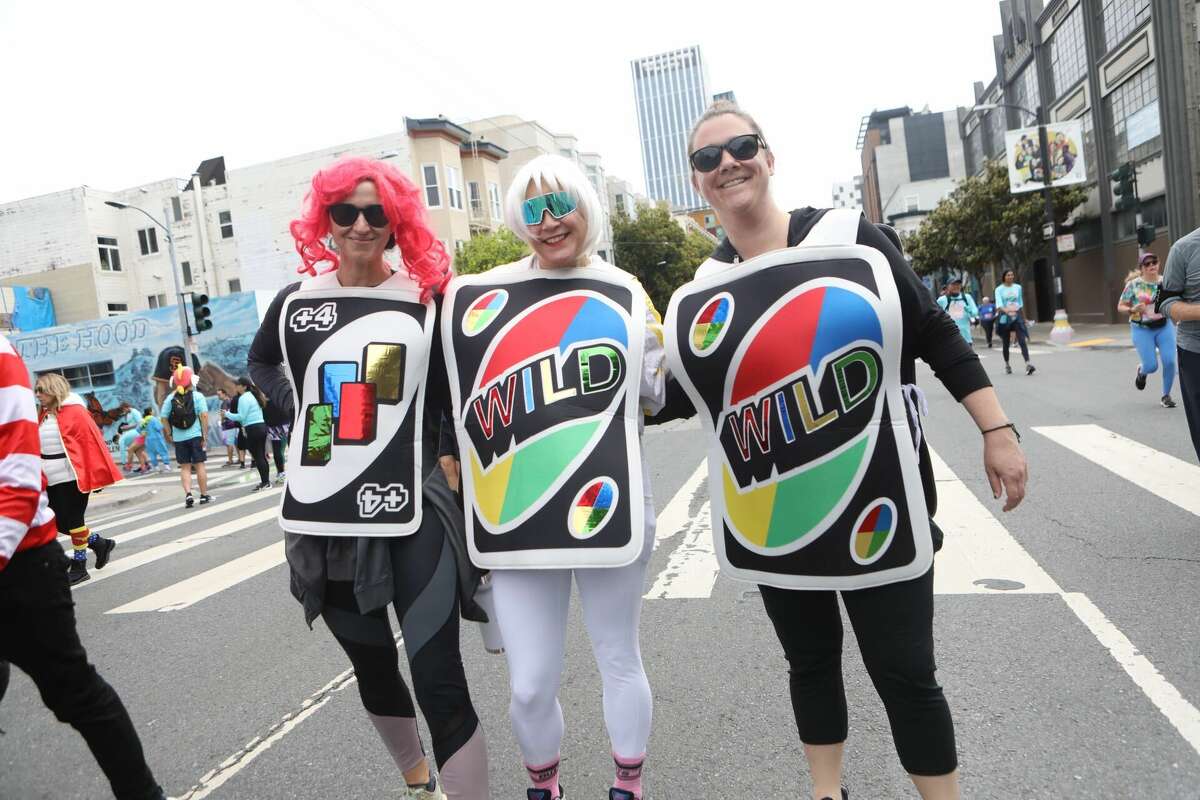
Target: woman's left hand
1005,466
450,469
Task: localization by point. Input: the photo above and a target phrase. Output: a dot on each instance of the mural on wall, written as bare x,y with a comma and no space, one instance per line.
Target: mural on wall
127,359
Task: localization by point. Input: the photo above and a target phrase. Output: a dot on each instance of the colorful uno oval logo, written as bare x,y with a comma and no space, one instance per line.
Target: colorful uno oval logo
593,507
711,324
873,532
484,311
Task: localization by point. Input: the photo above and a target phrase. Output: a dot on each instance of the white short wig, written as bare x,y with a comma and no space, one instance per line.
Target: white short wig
556,174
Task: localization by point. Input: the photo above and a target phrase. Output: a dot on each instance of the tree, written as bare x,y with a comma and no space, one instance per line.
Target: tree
982,224
487,250
657,251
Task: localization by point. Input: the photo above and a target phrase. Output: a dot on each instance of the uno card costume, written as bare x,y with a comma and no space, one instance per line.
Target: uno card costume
793,361
544,369
356,358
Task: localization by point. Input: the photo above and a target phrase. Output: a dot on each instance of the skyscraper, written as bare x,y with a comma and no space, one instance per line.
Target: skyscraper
671,93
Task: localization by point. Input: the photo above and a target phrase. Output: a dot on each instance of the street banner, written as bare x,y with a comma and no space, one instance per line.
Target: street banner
544,370
357,360
792,360
1064,141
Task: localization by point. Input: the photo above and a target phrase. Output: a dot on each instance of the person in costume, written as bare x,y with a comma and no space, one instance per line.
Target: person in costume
960,306
249,414
357,211
1151,331
185,415
76,463
1010,300
156,441
38,633
278,429
893,622
552,206
230,432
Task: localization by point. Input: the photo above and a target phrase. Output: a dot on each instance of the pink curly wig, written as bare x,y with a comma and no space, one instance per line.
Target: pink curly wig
422,253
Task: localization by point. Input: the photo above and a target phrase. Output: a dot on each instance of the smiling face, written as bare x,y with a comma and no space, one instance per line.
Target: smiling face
1150,270
557,242
360,242
734,186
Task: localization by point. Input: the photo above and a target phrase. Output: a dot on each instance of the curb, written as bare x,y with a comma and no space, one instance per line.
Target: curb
123,501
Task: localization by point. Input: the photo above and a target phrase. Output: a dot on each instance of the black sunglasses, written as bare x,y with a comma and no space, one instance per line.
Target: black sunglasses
346,214
743,148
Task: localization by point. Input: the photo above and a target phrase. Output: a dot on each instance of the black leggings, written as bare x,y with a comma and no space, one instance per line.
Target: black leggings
1019,327
256,443
277,452
426,603
988,326
68,504
894,628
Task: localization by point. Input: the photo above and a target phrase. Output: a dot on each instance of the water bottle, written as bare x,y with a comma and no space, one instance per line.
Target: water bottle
493,642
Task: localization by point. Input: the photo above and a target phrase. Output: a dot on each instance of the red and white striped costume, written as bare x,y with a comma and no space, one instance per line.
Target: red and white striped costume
26,520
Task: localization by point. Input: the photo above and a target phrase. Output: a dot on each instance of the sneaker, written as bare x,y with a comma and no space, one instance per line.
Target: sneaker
280,478
544,794
428,791
260,487
189,501
1008,369
103,549
1140,381
77,572
205,498
1030,369
845,795
1167,402
241,465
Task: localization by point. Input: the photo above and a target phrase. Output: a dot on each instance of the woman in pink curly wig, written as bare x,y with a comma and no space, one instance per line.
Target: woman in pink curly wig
349,353
388,198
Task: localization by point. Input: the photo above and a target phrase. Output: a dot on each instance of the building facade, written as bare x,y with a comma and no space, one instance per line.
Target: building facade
848,194
1132,83
670,94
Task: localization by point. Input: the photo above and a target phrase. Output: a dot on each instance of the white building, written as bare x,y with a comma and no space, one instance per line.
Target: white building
848,194
670,93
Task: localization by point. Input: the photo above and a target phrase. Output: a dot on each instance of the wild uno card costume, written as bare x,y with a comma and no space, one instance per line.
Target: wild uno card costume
793,361
544,369
356,358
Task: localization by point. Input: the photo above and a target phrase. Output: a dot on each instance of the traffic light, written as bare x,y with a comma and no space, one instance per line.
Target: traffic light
201,312
1145,234
1125,190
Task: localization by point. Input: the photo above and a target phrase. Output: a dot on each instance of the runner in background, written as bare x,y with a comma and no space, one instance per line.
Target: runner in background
1153,334
1010,300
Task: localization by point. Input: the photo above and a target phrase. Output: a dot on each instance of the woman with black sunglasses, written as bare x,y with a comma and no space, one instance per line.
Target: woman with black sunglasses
731,168
354,348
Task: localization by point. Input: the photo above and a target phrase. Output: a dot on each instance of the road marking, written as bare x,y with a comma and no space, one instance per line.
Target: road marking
692,567
1092,342
1178,711
191,591
979,556
121,564
1172,479
675,518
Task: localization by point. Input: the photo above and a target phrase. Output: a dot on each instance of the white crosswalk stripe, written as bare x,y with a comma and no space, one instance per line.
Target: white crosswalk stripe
1172,479
191,591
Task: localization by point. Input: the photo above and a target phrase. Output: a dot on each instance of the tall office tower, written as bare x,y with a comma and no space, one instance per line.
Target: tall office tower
671,93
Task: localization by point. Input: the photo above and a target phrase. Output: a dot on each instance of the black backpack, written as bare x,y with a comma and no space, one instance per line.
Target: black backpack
183,411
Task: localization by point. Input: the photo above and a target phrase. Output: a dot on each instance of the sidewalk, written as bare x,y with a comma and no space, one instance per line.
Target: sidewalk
1088,335
135,489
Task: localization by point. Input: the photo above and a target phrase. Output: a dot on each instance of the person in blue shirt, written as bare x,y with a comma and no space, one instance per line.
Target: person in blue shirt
1010,302
960,306
184,414
987,317
248,411
156,441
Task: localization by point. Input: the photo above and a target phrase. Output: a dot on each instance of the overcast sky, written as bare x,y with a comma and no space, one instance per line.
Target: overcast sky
114,94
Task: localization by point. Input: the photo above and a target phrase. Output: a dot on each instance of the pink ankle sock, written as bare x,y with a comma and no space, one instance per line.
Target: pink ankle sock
629,774
545,777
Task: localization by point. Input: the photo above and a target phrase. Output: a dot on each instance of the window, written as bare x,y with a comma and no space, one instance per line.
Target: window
1068,54
186,266
116,309
235,285
459,244
454,193
156,301
148,241
494,197
433,197
995,128
474,199
1132,102
226,220
1024,90
176,209
110,254
1120,18
86,376
912,202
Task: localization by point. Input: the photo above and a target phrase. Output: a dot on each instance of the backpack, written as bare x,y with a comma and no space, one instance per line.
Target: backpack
183,411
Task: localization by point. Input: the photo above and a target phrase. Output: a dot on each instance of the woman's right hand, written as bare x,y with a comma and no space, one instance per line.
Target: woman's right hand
450,468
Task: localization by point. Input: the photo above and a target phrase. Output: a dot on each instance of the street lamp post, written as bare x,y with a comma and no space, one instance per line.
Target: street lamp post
1047,197
189,343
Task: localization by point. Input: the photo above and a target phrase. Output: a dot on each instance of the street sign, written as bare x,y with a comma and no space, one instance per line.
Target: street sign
1048,231
1066,243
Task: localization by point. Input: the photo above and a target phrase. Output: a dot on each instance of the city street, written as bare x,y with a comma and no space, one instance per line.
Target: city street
1067,632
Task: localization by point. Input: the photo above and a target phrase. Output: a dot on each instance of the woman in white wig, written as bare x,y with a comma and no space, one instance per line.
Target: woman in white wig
553,207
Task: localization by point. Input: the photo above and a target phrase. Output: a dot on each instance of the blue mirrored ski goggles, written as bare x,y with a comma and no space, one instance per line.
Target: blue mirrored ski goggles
559,204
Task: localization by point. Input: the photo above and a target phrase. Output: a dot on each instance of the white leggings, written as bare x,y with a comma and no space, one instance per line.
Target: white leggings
531,609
